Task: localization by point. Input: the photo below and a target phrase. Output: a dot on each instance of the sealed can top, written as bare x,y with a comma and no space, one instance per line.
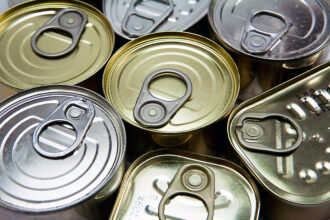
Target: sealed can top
271,29
282,136
47,42
60,145
134,18
192,187
184,80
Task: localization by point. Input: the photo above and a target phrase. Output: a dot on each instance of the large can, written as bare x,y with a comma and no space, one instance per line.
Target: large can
134,18
272,39
53,42
62,154
170,85
282,136
172,184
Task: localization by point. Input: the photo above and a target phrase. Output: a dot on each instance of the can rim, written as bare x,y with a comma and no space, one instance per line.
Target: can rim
122,139
125,49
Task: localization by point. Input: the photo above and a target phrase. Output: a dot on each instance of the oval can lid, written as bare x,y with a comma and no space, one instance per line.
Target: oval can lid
21,67
36,182
183,14
272,30
148,179
212,72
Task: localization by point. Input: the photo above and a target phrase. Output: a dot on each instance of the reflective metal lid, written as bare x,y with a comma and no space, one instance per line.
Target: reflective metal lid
272,29
59,146
282,136
134,18
180,58
43,25
187,183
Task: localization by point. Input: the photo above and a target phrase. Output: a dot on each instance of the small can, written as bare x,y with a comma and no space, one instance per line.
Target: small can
272,39
62,154
53,42
173,184
133,18
170,85
282,136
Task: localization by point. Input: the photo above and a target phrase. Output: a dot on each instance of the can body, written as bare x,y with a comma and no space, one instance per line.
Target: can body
63,154
199,78
276,137
47,42
233,194
268,40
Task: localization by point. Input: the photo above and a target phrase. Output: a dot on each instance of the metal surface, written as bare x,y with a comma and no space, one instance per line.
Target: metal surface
275,30
212,72
133,18
68,20
289,176
21,67
151,111
154,177
37,185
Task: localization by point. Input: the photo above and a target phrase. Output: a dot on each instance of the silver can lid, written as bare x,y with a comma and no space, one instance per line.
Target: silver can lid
272,29
134,18
59,146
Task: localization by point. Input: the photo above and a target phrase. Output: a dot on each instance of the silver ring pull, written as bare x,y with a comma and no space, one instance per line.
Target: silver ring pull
254,132
193,180
256,41
151,111
78,113
136,24
69,20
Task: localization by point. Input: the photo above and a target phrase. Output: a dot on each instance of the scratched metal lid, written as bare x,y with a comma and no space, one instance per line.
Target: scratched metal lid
192,186
59,146
272,29
134,18
282,136
36,48
171,82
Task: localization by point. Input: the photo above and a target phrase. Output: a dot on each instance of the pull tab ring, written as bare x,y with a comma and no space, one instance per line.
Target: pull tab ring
69,20
78,113
151,111
261,147
193,180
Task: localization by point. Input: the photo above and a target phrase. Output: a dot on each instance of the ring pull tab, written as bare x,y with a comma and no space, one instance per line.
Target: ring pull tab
69,20
249,133
256,41
78,113
193,180
150,111
136,23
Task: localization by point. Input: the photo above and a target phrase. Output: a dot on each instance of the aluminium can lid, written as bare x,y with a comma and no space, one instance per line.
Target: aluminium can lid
47,176
213,75
270,29
21,66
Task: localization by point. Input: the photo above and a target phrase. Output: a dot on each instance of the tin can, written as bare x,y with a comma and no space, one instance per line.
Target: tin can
170,85
37,48
192,186
134,18
62,154
274,40
282,136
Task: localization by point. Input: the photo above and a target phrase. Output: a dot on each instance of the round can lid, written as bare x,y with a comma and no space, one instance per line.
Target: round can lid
212,72
46,176
271,29
22,67
135,18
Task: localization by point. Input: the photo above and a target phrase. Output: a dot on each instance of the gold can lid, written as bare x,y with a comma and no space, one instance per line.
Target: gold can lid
212,72
20,65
